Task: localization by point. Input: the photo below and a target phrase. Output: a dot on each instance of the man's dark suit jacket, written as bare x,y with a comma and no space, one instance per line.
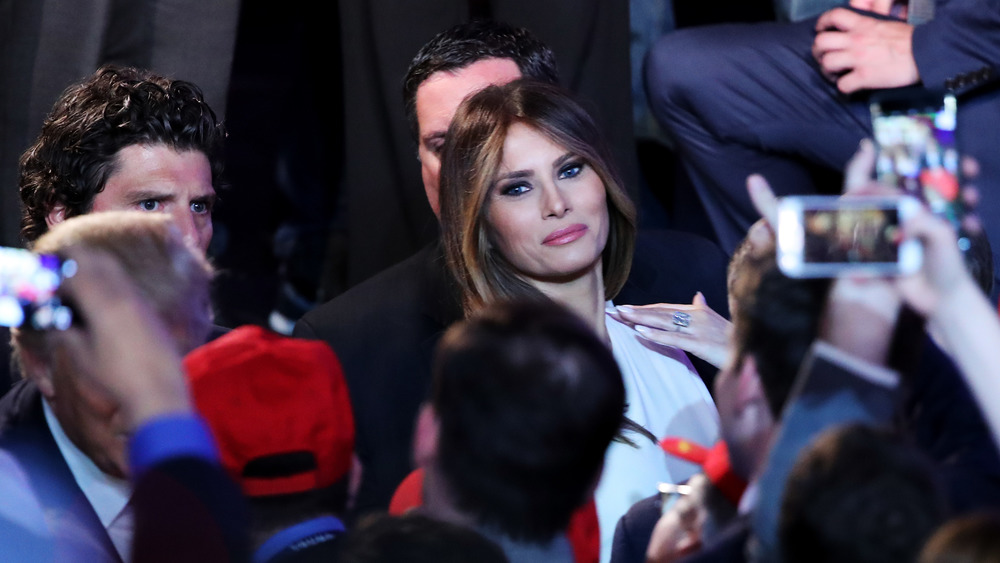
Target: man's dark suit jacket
635,529
752,96
384,332
186,509
25,434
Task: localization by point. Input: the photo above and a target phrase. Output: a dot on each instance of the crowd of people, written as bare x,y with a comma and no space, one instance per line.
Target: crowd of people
545,381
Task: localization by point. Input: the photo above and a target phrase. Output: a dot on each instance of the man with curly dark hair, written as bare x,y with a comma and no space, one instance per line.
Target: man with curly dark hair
125,138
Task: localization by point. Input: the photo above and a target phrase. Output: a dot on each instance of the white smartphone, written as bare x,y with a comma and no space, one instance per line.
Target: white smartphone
825,236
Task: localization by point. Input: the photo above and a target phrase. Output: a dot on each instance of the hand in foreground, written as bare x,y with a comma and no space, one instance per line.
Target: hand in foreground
694,328
679,530
864,53
861,313
943,274
943,270
129,351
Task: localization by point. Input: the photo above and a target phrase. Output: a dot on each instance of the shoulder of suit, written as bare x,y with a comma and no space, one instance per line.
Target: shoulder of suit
396,290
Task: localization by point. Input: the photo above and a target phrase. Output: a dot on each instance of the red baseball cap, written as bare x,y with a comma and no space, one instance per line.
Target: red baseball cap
714,462
278,408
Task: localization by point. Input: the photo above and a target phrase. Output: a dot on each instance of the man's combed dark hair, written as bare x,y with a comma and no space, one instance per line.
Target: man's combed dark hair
414,538
528,399
116,107
471,42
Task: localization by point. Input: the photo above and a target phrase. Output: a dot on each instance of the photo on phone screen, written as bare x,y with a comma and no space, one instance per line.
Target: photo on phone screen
28,284
915,135
823,236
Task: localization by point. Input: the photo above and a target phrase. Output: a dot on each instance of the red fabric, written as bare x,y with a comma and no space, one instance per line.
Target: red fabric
584,534
714,462
265,394
720,472
583,531
409,494
684,449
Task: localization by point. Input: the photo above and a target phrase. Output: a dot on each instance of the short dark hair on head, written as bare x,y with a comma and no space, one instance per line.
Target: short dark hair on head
528,399
974,538
471,42
776,323
114,108
859,494
415,538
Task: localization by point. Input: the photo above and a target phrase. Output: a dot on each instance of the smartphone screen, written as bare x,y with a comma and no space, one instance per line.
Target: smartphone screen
28,284
824,236
915,134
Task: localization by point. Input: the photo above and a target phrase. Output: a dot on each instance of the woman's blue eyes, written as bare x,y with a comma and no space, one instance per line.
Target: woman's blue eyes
515,189
571,170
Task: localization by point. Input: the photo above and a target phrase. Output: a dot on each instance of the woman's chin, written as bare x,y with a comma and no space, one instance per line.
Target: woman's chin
565,274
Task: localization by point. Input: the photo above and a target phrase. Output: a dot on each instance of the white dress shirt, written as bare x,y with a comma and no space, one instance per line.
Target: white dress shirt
108,495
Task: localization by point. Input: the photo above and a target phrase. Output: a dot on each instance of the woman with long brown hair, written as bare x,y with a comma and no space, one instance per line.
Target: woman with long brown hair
531,207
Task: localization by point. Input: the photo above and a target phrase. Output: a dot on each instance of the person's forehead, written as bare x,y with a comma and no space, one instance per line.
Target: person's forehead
439,96
144,158
140,168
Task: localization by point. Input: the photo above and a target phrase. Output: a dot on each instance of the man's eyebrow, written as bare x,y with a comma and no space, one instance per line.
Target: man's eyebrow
209,198
144,194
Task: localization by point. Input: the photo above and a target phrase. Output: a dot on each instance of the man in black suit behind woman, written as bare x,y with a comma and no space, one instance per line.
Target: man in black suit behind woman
384,330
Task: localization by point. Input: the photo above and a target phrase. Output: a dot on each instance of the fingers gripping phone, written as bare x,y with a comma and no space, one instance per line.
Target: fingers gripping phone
915,133
825,236
28,285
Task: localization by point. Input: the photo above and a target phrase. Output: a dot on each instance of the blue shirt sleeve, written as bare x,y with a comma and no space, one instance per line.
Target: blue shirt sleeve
168,437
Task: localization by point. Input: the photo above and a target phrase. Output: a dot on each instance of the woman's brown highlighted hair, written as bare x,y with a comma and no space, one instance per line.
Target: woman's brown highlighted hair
473,153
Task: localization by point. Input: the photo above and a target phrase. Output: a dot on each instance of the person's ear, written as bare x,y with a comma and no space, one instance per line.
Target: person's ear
55,215
748,388
425,443
38,370
354,481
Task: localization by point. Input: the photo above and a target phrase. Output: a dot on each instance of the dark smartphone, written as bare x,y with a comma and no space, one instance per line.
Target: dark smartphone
28,286
915,134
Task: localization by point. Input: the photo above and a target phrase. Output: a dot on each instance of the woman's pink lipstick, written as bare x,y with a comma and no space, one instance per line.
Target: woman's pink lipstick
565,236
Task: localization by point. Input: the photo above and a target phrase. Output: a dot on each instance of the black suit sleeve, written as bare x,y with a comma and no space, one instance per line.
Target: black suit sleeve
960,48
940,415
187,509
634,530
